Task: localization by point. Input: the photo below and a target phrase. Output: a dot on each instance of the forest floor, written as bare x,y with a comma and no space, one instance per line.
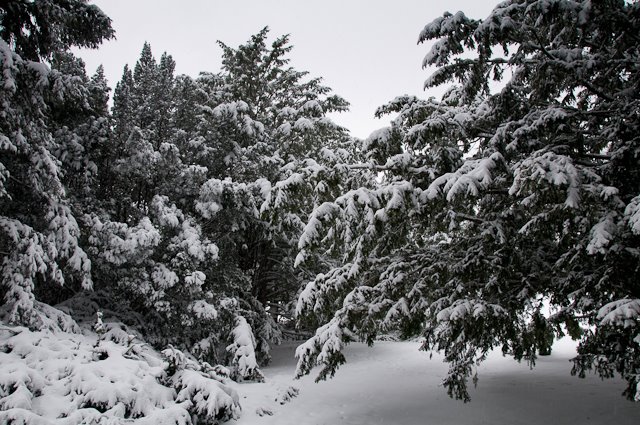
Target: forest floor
395,383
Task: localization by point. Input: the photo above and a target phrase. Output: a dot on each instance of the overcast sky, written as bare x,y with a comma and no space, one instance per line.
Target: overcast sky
365,50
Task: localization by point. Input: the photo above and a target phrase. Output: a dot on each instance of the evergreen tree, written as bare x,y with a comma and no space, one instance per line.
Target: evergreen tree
165,99
82,129
142,154
145,84
39,233
36,30
148,250
262,127
495,203
123,106
205,197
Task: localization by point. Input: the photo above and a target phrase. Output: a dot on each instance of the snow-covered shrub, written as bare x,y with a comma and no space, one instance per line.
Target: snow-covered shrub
55,377
204,390
208,399
242,350
287,394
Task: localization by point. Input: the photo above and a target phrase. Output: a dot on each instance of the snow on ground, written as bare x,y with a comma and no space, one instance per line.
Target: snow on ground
394,383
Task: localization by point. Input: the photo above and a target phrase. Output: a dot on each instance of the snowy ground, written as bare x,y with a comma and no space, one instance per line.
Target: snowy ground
394,383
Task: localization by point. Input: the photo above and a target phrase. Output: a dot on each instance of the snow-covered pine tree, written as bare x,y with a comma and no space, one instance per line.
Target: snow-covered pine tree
498,199
82,130
149,251
123,106
39,233
143,153
262,125
242,351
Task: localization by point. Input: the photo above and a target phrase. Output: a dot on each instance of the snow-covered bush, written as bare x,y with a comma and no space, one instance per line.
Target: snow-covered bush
63,377
157,267
242,350
204,390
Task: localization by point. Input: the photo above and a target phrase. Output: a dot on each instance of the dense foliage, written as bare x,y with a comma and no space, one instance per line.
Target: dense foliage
174,217
209,216
505,216
47,127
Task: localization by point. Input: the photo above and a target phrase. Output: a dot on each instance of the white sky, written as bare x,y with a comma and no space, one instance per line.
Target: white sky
365,50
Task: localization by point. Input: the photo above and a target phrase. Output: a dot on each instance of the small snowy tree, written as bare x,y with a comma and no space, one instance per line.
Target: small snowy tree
201,388
493,203
158,269
242,351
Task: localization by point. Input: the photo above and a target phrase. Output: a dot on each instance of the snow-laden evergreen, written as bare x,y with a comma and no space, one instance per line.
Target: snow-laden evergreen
40,145
178,209
244,363
198,218
495,204
152,255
